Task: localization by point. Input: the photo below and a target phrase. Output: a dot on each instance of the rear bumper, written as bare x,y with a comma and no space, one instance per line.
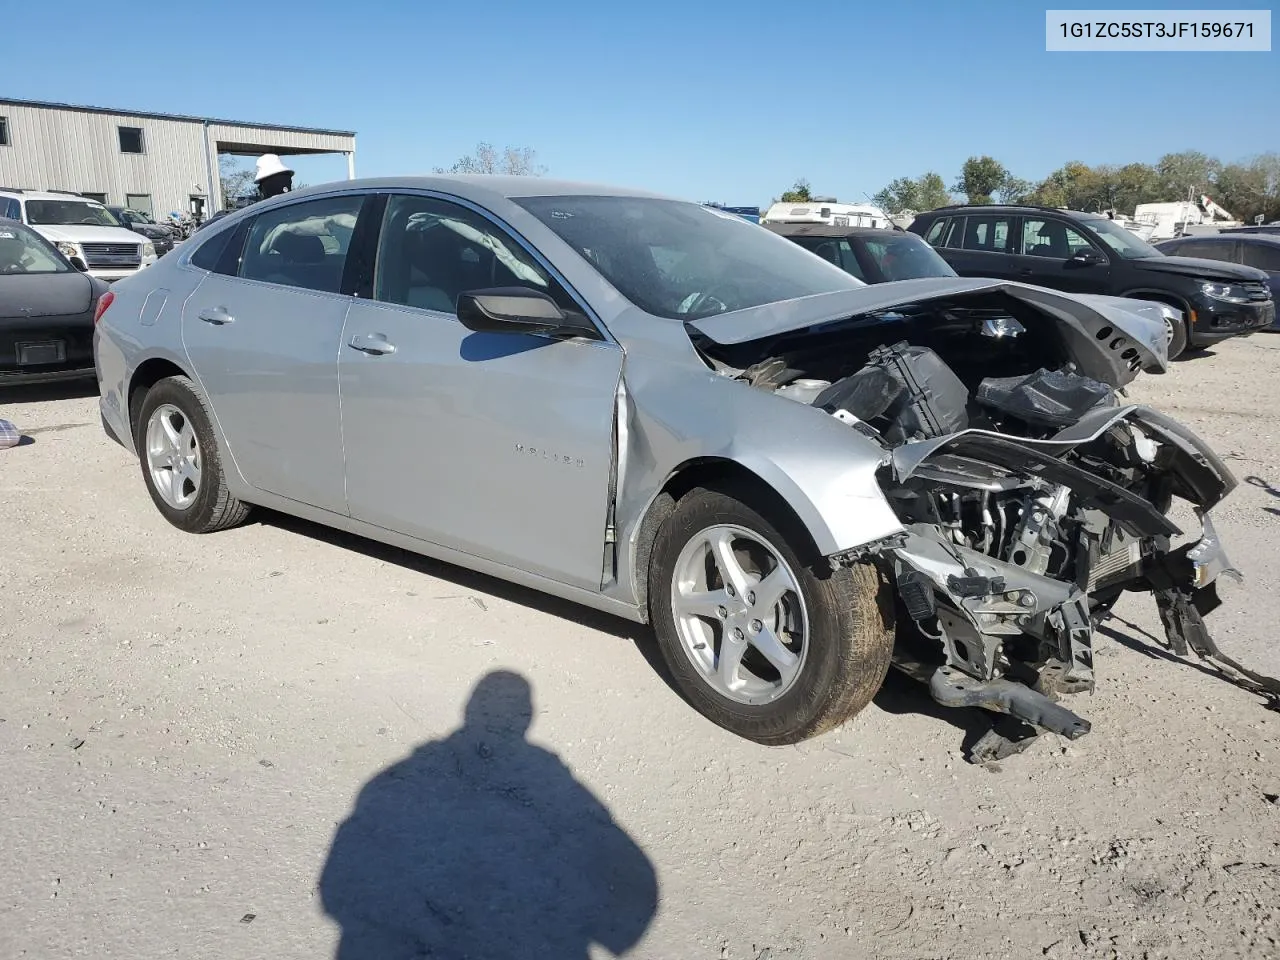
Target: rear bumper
10,376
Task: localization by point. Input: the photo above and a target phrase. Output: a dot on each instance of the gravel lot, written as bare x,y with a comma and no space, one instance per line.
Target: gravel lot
262,742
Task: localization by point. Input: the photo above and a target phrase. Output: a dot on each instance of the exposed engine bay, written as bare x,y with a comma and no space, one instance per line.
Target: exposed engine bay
1030,497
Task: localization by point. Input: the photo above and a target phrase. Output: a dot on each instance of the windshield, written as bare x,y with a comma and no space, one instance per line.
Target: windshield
1129,245
25,251
69,212
682,260
905,257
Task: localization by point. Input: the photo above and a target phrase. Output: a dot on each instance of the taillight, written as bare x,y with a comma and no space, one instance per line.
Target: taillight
104,301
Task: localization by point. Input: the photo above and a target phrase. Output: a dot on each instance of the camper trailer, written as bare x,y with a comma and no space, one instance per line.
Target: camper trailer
829,212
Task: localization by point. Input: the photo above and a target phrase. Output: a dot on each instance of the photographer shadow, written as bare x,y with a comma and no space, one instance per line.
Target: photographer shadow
482,845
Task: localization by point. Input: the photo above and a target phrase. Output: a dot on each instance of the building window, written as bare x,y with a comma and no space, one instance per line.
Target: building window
130,139
99,197
4,131
138,201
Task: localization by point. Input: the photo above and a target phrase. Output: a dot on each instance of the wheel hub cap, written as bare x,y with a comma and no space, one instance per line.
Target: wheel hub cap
739,614
173,456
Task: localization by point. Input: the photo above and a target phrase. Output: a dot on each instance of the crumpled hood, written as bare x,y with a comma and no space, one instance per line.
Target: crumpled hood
1195,267
87,233
1108,342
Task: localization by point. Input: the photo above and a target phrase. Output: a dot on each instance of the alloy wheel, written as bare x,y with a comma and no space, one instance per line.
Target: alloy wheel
739,614
173,456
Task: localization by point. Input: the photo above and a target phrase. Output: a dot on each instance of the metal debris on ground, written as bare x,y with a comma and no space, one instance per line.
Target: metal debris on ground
9,434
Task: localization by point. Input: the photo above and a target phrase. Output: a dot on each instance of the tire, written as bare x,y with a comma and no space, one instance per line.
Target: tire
847,619
1178,339
196,501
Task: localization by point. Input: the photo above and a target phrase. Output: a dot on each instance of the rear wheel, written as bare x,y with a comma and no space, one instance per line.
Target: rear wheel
180,462
760,635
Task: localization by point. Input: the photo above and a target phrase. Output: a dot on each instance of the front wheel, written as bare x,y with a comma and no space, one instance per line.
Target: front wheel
1175,334
769,644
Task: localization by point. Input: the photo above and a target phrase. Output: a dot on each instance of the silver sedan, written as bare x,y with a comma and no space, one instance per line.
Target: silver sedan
662,411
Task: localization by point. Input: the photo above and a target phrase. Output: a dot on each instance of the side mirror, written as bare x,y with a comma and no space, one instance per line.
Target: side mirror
79,264
518,310
1088,257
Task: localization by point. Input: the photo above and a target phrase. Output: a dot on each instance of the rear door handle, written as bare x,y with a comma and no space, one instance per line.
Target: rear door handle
374,344
217,316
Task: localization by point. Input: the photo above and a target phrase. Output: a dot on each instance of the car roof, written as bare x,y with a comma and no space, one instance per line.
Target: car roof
479,187
25,194
1263,238
955,208
827,230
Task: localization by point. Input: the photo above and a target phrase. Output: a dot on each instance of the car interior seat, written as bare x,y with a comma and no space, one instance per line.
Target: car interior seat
303,263
12,252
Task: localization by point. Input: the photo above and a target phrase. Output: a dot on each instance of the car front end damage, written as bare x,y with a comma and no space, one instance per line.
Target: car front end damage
1030,495
1015,549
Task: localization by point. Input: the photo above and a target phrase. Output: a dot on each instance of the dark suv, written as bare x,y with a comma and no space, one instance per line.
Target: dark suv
1089,253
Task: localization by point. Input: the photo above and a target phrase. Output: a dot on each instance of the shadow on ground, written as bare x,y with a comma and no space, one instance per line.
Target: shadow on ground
482,845
48,392
901,694
1266,486
639,634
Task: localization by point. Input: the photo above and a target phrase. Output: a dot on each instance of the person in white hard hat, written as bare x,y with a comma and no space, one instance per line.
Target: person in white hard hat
272,176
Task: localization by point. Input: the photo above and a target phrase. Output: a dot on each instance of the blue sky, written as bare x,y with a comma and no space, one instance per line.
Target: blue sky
704,99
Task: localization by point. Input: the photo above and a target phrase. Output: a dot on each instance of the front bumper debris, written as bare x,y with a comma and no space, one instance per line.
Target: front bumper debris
973,606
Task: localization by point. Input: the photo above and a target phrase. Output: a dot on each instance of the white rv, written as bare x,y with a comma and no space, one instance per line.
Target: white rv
828,212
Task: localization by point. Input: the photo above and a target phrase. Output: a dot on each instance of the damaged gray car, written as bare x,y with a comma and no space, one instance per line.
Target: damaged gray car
667,413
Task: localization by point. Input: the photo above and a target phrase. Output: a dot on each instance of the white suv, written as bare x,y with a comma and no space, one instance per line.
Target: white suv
82,229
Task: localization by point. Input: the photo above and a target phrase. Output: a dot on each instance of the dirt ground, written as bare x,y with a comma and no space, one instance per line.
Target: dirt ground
262,743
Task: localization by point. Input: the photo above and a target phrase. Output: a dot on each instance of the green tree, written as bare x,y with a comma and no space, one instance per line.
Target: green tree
1252,189
925,192
799,193
901,194
980,177
932,192
1014,190
235,178
1074,185
1187,173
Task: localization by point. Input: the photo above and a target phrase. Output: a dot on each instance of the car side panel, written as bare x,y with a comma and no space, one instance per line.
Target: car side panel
676,414
271,375
489,443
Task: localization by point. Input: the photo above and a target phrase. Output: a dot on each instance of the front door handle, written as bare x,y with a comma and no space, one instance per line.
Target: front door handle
217,316
374,344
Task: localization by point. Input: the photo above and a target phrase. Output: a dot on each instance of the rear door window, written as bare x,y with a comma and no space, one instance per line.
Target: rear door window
302,244
987,234
835,250
1264,256
1208,249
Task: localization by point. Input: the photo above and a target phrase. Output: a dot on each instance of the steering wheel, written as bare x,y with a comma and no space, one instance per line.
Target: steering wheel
695,303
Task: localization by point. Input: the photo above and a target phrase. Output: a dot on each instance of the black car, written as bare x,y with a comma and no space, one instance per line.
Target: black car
47,308
1089,253
872,254
159,235
1261,250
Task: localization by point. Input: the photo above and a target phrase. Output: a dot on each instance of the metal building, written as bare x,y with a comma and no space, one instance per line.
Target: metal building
156,162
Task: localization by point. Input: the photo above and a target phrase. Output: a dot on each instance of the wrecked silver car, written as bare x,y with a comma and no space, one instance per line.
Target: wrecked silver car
667,413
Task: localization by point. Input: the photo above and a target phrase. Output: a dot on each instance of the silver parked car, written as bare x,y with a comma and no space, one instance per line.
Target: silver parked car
660,410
